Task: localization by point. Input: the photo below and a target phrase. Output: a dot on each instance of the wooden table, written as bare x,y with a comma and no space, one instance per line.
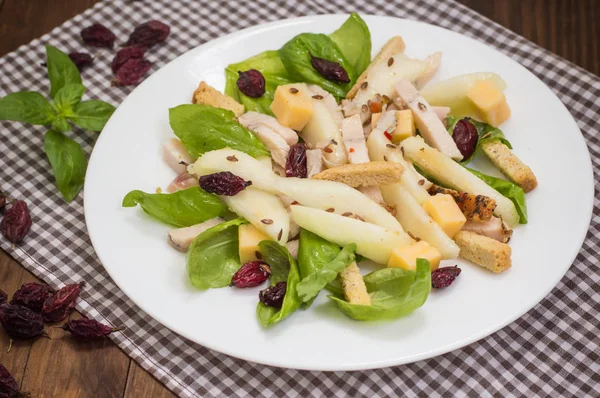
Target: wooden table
61,368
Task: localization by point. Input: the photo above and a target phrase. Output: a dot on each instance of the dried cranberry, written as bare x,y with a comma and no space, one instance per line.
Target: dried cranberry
295,166
251,83
58,306
81,60
465,136
3,297
31,295
88,329
443,277
125,54
131,72
3,201
8,385
251,274
16,222
21,322
148,34
329,70
98,35
223,183
273,295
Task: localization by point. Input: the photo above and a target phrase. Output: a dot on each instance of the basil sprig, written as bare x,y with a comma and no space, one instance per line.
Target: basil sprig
66,156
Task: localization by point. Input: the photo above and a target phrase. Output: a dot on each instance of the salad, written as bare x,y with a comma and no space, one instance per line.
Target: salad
317,159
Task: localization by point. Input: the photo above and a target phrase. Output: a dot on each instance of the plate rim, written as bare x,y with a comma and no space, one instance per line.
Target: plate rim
356,366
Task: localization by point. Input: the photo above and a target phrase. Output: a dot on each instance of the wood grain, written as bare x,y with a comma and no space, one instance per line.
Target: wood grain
63,368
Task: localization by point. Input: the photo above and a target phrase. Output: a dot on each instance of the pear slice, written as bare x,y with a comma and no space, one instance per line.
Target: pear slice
453,92
453,175
373,242
263,210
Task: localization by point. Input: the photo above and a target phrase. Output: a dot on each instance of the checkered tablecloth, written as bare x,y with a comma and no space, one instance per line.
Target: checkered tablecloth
553,350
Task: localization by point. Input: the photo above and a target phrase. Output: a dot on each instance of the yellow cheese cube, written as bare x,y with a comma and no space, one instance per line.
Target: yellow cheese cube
374,118
490,102
249,237
444,211
405,125
292,106
406,257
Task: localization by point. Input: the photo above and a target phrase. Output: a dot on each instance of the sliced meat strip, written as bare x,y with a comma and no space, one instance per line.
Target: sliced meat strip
183,181
251,120
181,238
176,156
493,228
314,162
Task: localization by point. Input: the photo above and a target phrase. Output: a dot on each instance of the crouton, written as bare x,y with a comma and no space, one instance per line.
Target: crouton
207,95
483,251
509,164
353,284
474,207
394,46
363,174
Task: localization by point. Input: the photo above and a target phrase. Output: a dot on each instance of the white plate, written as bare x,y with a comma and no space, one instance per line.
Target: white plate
134,250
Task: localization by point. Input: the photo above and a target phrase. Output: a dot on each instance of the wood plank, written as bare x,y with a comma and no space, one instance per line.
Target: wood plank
64,367
13,276
141,384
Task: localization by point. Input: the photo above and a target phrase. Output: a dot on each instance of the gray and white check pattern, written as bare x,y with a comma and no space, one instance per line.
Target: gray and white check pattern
553,350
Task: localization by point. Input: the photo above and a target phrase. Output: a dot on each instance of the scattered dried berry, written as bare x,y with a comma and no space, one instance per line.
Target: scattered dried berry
58,306
125,54
443,277
251,83
223,183
98,35
3,297
81,60
8,385
16,222
465,136
131,72
251,274
295,166
148,34
329,70
32,295
88,329
21,322
273,295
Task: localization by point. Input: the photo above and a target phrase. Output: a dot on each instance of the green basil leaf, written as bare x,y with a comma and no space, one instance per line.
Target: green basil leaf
28,107
67,98
283,268
92,114
213,257
269,64
354,41
394,293
295,55
203,128
61,70
181,209
310,286
506,188
61,124
68,161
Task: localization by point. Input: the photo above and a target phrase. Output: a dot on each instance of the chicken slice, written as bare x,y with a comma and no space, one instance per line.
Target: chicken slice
293,246
183,181
314,162
181,238
494,228
442,112
275,143
428,123
176,156
251,120
329,101
354,140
